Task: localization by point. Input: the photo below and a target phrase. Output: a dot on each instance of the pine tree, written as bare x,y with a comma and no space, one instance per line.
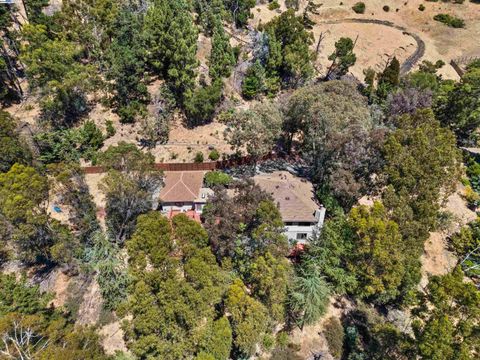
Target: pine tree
180,51
342,58
389,79
127,67
221,56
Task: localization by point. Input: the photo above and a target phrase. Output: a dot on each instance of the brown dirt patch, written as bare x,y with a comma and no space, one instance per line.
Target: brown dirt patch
311,338
112,338
442,42
437,259
375,44
91,305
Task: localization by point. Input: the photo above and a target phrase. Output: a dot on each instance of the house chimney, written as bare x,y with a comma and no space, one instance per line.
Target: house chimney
320,216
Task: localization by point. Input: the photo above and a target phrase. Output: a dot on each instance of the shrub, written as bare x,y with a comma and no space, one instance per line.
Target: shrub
236,52
214,178
359,7
421,7
91,139
334,334
130,112
466,239
201,104
386,8
198,157
273,5
254,81
214,155
268,342
449,20
472,197
110,128
291,4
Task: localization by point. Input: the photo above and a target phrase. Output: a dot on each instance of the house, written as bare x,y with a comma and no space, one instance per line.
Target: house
183,193
294,196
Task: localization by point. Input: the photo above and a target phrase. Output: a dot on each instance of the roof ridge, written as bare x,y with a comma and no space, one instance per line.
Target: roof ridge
191,192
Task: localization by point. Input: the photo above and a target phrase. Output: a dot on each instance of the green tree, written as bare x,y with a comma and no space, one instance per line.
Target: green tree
310,8
342,58
151,243
172,42
254,82
35,237
268,278
377,259
218,340
210,13
248,318
127,67
32,329
217,178
389,79
11,149
422,165
231,220
105,258
446,325
240,10
128,186
330,250
34,10
200,105
289,53
54,67
221,56
256,130
337,137
177,287
308,295
459,107
10,88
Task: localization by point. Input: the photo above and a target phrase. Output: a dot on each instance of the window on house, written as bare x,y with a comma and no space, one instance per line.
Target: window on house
302,236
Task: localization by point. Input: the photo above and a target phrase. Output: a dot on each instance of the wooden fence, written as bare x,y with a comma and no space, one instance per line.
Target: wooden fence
205,166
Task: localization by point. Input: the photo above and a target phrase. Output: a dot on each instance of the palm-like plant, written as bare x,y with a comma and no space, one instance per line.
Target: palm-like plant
309,295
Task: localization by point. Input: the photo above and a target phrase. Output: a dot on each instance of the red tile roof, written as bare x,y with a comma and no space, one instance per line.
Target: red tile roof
181,186
192,214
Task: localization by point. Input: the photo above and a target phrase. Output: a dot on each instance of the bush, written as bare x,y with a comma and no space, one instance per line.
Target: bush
110,128
450,20
421,7
129,113
291,4
198,157
386,8
201,104
273,5
334,334
359,7
214,178
254,81
214,155
466,239
91,139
